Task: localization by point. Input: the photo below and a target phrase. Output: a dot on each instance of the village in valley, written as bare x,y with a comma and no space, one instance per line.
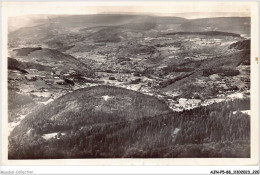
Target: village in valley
149,86
145,59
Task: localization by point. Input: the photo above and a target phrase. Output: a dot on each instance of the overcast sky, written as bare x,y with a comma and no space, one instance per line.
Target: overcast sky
182,9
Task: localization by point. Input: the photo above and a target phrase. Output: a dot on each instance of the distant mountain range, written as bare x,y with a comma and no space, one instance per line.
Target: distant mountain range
240,25
128,86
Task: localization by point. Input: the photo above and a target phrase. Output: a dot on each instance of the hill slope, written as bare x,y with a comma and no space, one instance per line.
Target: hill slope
49,26
240,25
18,65
210,131
93,105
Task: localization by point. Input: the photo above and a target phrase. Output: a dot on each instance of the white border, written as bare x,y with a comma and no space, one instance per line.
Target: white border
169,161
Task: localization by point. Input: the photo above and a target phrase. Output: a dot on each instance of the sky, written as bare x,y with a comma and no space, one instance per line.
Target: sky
188,10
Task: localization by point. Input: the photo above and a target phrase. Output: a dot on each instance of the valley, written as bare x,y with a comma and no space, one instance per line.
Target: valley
179,70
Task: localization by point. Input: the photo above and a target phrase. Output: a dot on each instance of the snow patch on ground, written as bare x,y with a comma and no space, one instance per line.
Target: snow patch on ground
51,135
46,102
248,112
175,132
13,124
236,95
106,97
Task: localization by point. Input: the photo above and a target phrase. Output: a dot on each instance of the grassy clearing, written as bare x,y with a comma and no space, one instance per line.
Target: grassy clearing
26,51
16,100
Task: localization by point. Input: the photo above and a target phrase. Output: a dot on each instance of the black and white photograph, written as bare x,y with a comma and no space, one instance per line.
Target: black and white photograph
134,82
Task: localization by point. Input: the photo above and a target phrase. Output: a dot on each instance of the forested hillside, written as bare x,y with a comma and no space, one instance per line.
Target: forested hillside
211,131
